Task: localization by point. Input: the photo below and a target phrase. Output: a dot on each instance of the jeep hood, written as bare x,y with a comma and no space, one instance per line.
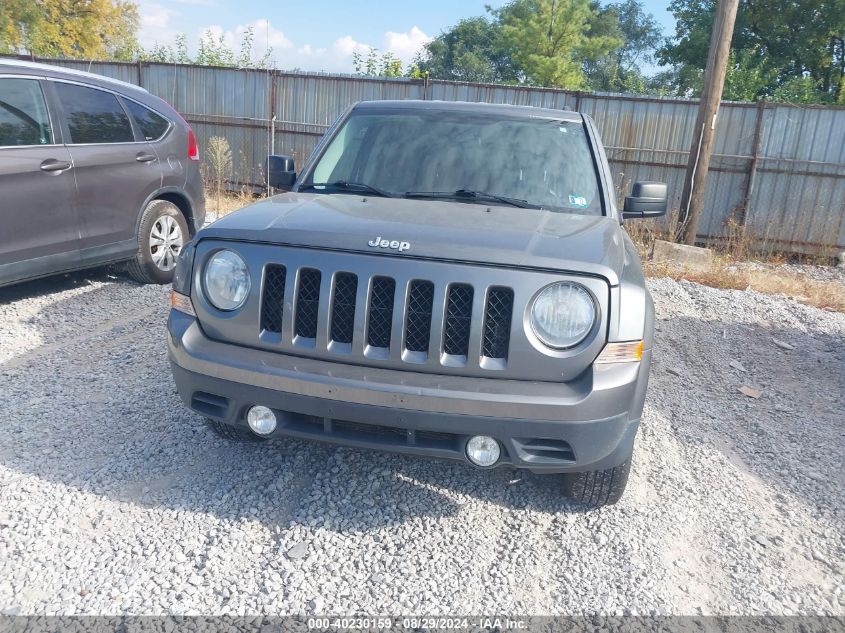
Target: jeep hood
435,229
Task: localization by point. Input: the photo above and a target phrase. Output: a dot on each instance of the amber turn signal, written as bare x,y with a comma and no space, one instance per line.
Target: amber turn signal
182,303
627,352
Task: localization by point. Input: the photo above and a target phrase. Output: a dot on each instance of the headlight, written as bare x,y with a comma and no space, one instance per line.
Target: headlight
562,315
227,281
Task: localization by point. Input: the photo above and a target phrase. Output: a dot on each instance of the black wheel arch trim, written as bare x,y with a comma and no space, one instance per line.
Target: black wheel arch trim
177,192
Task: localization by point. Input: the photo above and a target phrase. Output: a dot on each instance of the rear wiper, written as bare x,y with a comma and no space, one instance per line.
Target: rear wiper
469,194
345,185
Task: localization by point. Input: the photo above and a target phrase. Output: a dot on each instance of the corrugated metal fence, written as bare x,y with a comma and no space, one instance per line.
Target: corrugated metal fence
777,169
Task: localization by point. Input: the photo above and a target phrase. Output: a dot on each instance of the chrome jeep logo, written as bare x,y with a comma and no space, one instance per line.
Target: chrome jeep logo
393,244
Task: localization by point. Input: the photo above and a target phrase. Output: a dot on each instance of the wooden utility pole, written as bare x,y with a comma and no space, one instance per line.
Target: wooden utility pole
692,198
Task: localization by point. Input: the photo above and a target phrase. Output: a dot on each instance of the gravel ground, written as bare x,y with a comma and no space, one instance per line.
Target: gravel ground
811,271
116,499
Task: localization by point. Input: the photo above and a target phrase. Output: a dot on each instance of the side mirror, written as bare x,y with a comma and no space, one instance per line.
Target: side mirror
281,171
647,200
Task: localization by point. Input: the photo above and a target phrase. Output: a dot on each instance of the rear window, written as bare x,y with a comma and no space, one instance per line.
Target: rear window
93,116
152,125
23,114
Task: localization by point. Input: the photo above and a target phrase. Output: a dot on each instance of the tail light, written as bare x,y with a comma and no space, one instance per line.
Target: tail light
193,150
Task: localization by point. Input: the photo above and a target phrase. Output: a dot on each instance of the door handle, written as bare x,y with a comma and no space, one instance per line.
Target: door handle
145,158
53,165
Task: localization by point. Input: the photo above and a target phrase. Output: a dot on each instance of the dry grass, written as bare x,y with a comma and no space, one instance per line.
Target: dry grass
726,273
742,261
218,164
225,174
227,202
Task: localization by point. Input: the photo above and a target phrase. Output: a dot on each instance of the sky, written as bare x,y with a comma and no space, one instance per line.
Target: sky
320,34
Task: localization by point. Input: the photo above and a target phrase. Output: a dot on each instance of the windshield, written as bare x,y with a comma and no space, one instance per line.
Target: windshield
462,156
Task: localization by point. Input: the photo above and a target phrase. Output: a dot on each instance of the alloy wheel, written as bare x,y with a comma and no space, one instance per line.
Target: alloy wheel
166,241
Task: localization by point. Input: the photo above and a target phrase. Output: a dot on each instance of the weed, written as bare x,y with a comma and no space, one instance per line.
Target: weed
219,165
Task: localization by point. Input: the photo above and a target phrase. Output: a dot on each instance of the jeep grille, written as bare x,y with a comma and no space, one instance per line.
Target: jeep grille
418,316
497,322
274,297
416,306
307,302
395,312
380,322
343,307
458,320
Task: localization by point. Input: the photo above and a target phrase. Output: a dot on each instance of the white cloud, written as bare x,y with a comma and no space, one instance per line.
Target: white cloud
346,46
156,17
406,45
157,27
154,25
338,56
264,36
215,31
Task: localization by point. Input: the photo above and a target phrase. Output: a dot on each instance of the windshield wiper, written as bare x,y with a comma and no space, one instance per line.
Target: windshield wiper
469,194
345,185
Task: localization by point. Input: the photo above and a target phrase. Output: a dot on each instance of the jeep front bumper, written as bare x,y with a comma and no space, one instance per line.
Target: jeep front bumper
585,424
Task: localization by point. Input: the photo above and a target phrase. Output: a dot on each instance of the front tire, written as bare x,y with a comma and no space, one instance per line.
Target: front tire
162,234
597,488
231,432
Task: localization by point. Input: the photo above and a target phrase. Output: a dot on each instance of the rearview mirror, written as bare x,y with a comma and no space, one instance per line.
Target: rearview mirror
647,200
281,171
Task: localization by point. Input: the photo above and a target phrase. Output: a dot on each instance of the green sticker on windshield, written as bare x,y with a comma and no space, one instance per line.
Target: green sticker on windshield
578,201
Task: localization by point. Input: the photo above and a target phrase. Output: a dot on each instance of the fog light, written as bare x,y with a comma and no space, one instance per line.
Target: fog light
483,450
261,420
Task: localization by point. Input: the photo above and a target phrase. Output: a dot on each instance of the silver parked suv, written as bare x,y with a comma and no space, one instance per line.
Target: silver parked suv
92,171
449,280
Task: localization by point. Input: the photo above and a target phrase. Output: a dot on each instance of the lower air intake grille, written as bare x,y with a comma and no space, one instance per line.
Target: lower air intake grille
307,303
343,307
497,322
273,301
418,323
381,312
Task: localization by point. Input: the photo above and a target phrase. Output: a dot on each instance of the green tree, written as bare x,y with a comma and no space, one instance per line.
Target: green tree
551,40
749,76
86,29
799,90
374,64
211,51
563,43
793,44
676,81
621,69
176,54
472,50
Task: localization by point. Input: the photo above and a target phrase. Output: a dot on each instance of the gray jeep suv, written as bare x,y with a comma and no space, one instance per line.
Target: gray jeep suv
449,280
92,171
